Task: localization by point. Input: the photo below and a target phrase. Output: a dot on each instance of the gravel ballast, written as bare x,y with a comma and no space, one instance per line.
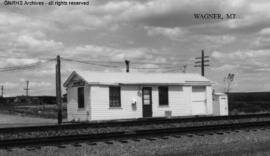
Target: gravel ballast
232,143
98,130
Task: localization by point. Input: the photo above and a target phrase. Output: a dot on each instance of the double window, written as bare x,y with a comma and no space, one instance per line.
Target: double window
163,96
80,97
115,97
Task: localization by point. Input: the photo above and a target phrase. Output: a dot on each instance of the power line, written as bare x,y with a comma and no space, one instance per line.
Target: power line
25,67
167,66
90,63
119,62
154,67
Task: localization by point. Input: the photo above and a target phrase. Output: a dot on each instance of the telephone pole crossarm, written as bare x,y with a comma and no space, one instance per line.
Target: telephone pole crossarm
200,62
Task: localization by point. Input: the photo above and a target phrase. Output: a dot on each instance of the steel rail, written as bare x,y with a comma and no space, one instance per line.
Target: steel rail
131,122
125,134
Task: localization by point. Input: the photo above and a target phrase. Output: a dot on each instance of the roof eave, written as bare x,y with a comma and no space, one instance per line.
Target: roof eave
74,73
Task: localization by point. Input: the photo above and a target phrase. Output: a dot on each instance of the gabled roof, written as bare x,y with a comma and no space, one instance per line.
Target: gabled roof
116,78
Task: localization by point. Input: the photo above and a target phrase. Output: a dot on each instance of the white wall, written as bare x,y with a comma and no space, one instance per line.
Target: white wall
180,102
220,104
73,112
209,100
101,108
177,102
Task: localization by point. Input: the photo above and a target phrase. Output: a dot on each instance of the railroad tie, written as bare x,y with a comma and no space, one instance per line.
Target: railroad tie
190,135
136,140
61,146
163,137
219,133
108,142
76,145
8,149
200,134
30,149
91,143
123,141
150,139
177,136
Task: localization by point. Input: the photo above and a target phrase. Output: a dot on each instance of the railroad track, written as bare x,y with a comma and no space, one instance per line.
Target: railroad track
132,122
127,134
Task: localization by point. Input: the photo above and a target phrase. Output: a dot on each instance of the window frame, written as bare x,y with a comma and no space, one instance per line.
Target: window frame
115,97
163,100
81,98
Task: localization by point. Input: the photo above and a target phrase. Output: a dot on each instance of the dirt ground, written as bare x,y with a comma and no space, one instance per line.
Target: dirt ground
253,142
17,120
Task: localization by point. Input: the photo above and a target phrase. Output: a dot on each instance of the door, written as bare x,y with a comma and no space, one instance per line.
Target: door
198,100
223,105
147,101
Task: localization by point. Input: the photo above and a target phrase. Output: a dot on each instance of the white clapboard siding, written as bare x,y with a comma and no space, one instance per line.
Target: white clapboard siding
209,100
183,100
74,113
177,105
199,100
101,108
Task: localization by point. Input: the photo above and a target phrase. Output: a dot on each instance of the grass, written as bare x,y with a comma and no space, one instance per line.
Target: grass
42,111
249,103
245,107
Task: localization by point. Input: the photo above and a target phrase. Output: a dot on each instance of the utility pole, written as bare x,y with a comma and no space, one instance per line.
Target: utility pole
58,88
27,88
201,62
2,91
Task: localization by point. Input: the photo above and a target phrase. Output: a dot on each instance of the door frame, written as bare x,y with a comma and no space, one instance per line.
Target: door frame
150,105
204,101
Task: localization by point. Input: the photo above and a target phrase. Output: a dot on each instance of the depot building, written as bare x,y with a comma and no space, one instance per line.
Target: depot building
109,96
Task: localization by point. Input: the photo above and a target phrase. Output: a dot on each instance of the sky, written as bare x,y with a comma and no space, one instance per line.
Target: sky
155,35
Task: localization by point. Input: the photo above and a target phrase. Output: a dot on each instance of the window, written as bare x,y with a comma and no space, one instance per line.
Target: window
80,97
163,96
115,97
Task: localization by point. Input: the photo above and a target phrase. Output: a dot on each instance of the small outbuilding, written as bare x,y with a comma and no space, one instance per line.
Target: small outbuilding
220,104
110,96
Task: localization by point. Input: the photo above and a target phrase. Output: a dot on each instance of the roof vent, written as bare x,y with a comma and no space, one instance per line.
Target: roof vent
127,65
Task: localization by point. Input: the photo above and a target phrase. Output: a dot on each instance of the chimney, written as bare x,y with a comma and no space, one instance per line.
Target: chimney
127,65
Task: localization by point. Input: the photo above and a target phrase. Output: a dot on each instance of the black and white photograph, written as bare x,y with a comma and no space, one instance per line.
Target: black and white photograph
134,77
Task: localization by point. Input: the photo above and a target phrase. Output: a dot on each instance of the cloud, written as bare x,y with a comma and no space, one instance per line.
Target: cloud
20,61
10,85
265,31
110,53
40,84
249,61
226,67
161,31
240,55
261,42
26,43
172,33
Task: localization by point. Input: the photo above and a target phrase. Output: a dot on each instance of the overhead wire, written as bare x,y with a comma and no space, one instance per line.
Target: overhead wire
90,63
105,64
25,67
